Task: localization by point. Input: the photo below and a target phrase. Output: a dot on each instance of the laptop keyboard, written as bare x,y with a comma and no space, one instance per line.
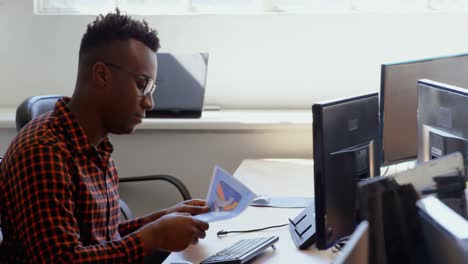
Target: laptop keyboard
242,251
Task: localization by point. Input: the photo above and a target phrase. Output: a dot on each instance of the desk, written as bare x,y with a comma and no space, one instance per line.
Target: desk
272,178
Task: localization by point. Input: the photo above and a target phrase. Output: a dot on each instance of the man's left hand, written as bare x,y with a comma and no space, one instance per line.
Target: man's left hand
193,207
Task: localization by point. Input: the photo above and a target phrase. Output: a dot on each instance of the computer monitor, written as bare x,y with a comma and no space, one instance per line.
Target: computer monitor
445,232
356,249
180,90
398,100
344,140
442,120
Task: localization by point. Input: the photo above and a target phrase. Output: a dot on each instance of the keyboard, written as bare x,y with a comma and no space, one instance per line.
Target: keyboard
242,251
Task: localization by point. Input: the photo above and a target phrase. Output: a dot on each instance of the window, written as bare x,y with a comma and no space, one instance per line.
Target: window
145,7
74,6
148,7
448,5
312,5
225,5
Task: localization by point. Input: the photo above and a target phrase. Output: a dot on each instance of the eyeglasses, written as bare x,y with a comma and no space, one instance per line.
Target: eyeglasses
145,84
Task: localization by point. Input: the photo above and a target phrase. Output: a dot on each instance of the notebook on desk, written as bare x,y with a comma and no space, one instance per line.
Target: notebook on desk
180,90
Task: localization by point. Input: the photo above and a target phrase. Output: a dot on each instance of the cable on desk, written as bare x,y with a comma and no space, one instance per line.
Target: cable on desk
340,244
385,173
222,232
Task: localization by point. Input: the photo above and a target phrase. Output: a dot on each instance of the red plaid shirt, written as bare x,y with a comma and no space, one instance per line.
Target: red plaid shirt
59,200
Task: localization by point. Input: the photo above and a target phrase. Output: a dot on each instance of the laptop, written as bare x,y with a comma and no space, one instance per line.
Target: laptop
181,80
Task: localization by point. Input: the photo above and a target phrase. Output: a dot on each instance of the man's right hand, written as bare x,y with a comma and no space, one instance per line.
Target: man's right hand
172,232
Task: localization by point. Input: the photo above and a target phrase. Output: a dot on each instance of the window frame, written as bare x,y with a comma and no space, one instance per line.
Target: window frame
187,7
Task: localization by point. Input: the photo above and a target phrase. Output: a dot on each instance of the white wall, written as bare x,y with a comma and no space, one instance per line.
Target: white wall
257,61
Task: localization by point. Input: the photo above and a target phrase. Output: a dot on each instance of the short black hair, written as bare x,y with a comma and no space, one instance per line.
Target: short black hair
117,26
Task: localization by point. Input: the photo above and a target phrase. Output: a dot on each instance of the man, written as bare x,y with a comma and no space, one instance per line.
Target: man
59,200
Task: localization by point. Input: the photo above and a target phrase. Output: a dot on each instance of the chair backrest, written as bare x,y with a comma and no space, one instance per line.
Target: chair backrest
33,107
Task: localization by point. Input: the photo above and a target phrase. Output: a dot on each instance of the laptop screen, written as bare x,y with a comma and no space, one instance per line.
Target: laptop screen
180,80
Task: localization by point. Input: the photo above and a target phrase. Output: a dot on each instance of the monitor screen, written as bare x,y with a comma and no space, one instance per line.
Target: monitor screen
344,141
398,101
442,120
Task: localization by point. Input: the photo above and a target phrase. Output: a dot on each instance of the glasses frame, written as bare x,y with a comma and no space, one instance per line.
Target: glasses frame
150,84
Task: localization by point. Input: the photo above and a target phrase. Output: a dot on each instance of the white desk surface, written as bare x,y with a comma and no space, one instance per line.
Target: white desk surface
278,177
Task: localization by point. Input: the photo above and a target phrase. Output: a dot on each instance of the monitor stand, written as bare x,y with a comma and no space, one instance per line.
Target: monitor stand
302,228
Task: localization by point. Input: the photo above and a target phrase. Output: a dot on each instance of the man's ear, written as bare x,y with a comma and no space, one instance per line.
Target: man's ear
101,75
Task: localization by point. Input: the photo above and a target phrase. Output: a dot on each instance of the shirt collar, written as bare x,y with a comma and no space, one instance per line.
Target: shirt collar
73,131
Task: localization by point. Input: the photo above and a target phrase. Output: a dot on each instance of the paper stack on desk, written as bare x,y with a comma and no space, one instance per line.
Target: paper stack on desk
227,197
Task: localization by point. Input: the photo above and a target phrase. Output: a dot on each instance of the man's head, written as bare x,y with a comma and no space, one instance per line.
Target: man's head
117,70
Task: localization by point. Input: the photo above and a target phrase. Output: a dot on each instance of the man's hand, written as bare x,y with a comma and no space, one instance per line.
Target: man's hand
193,207
172,232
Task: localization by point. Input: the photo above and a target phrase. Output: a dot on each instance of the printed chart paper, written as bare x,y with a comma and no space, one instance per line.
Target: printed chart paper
227,197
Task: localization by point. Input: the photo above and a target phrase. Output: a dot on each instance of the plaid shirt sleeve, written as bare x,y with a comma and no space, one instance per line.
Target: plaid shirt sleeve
42,203
130,226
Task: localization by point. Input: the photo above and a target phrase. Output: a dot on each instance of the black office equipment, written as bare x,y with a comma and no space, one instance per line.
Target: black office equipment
395,230
451,191
242,251
344,136
398,100
180,90
389,204
302,228
442,120
445,232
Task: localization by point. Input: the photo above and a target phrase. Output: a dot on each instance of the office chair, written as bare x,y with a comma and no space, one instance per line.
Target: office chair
35,106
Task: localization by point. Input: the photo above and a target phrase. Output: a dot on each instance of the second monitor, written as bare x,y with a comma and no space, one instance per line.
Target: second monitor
442,120
344,135
398,100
